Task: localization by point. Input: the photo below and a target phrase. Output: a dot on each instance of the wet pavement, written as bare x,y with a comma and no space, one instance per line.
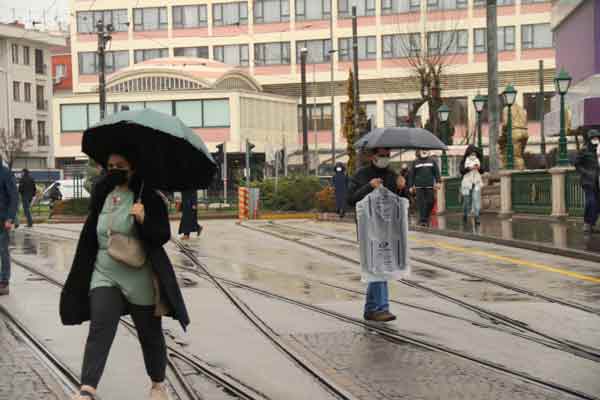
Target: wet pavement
543,231
359,360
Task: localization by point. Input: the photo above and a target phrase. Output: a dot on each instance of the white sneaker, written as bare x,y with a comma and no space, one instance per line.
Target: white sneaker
159,392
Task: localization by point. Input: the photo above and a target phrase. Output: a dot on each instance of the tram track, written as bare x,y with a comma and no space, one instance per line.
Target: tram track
575,348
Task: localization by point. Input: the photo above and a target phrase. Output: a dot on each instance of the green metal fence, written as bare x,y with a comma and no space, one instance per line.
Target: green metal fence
532,193
453,202
575,198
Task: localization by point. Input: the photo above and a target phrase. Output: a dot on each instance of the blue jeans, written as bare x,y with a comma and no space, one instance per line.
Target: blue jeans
592,206
377,297
472,202
4,255
27,211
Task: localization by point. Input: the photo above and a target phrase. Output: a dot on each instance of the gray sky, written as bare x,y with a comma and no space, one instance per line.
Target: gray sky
56,10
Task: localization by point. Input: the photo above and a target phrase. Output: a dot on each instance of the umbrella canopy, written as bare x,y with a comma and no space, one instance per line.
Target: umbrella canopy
400,138
169,155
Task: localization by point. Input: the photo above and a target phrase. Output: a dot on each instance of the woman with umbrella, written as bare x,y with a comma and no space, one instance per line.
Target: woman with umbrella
120,266
189,214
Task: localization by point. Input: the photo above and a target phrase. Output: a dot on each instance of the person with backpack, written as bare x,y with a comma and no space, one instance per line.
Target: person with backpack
27,191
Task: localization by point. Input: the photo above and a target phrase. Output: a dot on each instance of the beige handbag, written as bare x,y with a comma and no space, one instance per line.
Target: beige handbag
126,249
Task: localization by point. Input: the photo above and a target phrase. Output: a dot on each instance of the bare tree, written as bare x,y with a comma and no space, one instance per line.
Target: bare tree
11,146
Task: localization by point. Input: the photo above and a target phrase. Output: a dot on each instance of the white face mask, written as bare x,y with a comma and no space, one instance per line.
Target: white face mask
381,161
424,154
338,169
595,141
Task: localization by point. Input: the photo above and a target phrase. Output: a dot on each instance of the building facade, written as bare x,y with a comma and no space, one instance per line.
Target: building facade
264,38
26,90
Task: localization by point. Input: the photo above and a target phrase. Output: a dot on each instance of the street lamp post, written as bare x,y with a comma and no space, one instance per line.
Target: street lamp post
562,82
443,114
479,103
509,95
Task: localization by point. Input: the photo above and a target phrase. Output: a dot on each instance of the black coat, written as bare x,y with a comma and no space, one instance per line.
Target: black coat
360,183
587,166
340,183
189,212
154,233
27,187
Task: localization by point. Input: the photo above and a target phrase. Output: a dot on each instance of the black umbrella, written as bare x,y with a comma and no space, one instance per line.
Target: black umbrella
400,138
169,155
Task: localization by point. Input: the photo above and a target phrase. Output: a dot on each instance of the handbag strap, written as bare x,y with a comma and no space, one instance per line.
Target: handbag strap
110,217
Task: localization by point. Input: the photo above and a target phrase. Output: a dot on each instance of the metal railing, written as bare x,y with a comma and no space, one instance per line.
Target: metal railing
532,193
453,201
574,195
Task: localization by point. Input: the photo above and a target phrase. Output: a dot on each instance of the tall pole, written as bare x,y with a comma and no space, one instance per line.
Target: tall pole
305,160
316,132
510,158
225,176
248,170
563,159
479,138
103,38
331,84
540,107
355,67
492,66
444,154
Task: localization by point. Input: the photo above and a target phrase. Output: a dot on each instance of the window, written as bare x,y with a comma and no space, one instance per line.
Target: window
448,42
370,109
17,128
60,71
272,53
200,52
149,54
114,61
319,117
530,102
534,1
162,106
14,51
506,39
16,91
189,16
318,50
150,19
87,20
364,8
203,113
27,92
225,14
236,54
311,10
73,117
396,113
389,7
40,67
26,55
271,11
499,3
28,129
42,138
433,5
401,46
367,48
537,36
41,102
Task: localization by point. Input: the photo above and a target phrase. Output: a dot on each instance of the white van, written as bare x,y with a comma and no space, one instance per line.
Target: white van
67,189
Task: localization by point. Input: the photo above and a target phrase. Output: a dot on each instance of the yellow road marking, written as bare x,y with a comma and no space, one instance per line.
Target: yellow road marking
509,260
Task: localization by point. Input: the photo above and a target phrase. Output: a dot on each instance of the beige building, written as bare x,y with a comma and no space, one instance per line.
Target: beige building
26,92
263,38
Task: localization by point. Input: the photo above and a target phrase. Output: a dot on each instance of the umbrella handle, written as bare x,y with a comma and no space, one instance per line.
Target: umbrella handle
139,199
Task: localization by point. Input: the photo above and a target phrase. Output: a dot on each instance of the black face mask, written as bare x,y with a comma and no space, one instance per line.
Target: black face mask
117,176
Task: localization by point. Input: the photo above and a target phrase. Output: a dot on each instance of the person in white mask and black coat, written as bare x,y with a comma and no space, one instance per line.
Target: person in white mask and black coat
367,179
588,166
424,179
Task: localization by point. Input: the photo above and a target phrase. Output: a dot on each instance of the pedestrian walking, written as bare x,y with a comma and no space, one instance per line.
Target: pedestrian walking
120,267
189,214
55,195
367,179
27,191
340,184
588,167
424,179
471,185
8,213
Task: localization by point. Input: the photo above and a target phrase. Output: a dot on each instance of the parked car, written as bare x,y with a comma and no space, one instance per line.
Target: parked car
67,190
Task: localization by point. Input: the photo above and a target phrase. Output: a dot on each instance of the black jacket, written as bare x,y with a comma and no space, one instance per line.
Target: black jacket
189,212
587,166
27,187
154,232
424,172
8,195
360,186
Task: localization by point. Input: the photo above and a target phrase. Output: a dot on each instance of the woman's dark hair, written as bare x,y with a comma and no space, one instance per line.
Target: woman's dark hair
128,153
